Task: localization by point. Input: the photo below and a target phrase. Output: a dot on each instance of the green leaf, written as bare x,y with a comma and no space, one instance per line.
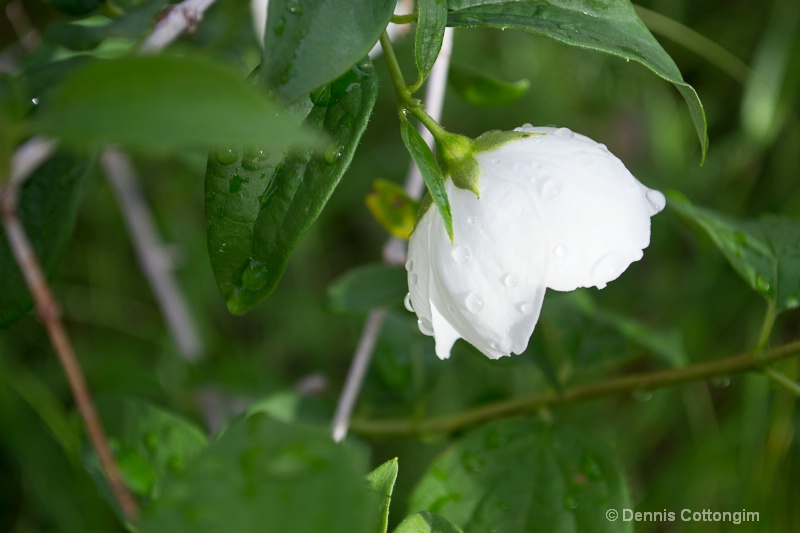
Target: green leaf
612,27
381,481
480,89
423,157
47,207
393,208
76,7
431,23
367,287
150,444
667,345
259,205
263,475
161,103
525,475
426,522
765,252
311,43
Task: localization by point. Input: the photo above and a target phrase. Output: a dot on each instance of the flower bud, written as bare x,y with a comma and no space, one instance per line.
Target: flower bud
556,210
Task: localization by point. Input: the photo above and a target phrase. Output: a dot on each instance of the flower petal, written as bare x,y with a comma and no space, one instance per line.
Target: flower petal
488,285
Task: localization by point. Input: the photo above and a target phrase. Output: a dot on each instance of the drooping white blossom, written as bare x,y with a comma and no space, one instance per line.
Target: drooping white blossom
556,210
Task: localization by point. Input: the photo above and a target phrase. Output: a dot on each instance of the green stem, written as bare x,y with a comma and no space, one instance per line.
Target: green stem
407,103
783,380
395,73
404,19
737,364
766,328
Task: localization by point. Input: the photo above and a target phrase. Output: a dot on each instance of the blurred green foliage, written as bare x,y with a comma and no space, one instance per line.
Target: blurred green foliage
726,444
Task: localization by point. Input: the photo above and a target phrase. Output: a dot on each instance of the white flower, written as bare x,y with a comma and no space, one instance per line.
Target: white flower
556,210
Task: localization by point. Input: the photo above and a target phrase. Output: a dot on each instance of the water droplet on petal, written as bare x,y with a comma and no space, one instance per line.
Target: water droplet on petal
425,326
509,280
461,254
525,308
414,279
564,133
603,147
551,188
410,265
472,221
656,200
474,302
407,303
560,251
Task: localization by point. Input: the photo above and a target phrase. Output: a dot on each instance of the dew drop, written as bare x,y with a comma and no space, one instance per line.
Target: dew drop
414,279
227,156
254,159
410,265
642,395
656,200
564,133
333,152
474,302
35,101
425,326
461,254
525,308
551,188
603,147
559,251
763,284
509,280
255,276
472,221
294,7
721,381
407,302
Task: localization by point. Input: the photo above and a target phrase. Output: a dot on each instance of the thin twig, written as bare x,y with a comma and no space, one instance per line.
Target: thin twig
646,382
178,18
355,376
153,258
394,251
25,160
27,34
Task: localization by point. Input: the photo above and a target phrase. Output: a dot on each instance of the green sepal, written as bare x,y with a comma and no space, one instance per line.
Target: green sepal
494,139
455,155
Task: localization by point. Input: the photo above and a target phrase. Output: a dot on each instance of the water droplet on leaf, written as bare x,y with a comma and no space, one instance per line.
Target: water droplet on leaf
227,156
255,276
333,152
763,284
721,381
